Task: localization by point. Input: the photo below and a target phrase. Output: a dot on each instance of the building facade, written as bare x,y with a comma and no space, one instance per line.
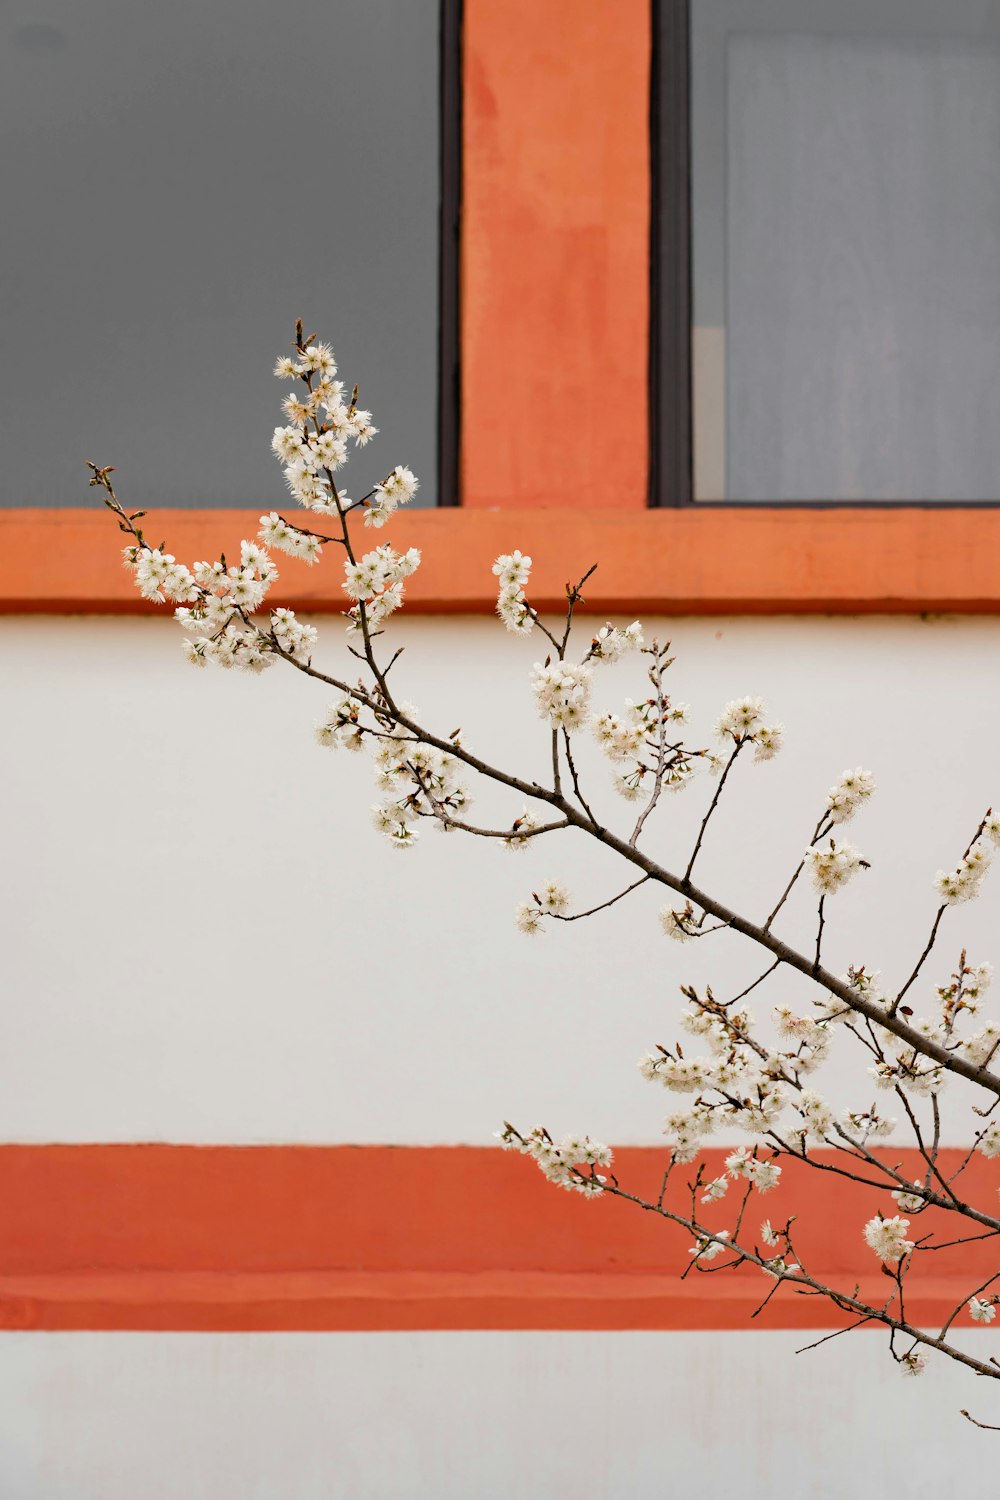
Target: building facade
702,294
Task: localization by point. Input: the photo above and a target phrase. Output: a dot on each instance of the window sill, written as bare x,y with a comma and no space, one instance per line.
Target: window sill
897,560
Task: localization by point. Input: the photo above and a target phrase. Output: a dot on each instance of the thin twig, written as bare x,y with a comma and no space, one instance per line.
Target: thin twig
986,1426
575,917
574,778
712,806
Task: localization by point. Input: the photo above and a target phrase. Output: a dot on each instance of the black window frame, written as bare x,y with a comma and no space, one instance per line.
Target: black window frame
671,444
449,251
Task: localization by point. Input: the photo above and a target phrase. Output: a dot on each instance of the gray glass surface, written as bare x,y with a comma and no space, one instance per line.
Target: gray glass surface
181,181
846,246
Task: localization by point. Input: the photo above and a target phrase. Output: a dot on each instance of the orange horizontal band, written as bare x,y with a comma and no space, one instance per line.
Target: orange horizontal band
699,560
377,1237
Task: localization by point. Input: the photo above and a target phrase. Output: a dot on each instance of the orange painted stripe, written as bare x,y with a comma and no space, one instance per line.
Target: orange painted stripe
377,1237
555,253
694,561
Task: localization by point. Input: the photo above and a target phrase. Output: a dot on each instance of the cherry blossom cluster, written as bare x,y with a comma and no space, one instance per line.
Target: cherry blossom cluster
521,830
415,780
965,881
611,642
217,604
216,601
742,721
640,735
887,1237
683,924
159,576
562,693
313,444
376,581
420,781
513,571
550,900
848,794
763,1085
341,727
570,1164
832,868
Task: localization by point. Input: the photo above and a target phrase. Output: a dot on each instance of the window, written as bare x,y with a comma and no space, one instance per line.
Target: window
842,254
557,267
181,182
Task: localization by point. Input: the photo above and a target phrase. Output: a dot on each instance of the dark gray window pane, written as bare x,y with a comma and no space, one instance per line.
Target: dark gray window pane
180,182
846,249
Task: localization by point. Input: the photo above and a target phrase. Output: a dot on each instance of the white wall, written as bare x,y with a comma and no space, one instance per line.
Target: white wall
205,941
481,1416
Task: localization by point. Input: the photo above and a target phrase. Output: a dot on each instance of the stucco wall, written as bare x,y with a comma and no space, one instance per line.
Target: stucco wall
206,941
473,1416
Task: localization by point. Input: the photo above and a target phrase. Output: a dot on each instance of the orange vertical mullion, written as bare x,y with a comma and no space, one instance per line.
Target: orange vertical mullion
555,254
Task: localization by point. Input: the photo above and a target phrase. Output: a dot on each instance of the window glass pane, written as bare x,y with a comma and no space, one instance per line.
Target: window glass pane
181,181
846,249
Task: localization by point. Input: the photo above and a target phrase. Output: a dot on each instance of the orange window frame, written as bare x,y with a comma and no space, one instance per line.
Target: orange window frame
555,319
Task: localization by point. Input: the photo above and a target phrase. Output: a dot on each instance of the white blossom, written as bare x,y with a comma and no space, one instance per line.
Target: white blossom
768,740
392,822
286,444
197,651
833,867
684,1075
887,1237
329,449
399,488
512,568
563,1164
553,898
276,532
910,1203
964,882
739,718
863,1125
318,358
298,411
340,729
622,738
679,925
610,643
982,1310
979,1049
779,1267
520,828
816,1113
708,1247
764,1175
376,580
562,692
294,638
527,918
846,795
